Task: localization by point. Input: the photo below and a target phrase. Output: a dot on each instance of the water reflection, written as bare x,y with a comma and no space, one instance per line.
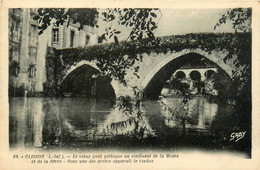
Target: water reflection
43,123
200,110
26,122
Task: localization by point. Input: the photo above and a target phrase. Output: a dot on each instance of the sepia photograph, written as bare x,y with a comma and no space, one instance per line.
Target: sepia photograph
86,78
138,80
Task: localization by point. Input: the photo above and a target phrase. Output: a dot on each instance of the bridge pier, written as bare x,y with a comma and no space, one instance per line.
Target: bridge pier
121,90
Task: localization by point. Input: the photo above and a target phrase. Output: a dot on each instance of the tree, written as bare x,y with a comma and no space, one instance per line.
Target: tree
240,89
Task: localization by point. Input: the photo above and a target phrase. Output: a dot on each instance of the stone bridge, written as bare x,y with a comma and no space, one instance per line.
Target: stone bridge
157,67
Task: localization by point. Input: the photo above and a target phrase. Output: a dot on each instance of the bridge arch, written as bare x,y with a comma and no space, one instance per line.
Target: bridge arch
195,75
180,75
209,73
172,62
76,66
92,65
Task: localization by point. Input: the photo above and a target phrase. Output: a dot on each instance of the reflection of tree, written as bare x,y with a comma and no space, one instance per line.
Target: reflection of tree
133,122
52,125
38,118
180,114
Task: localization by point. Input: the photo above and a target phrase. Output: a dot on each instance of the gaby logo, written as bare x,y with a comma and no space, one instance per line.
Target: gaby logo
237,136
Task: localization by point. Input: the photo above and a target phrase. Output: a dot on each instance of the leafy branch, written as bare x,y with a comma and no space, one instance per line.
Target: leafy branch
142,22
240,18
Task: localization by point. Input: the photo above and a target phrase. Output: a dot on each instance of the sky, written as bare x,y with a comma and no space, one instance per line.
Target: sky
181,21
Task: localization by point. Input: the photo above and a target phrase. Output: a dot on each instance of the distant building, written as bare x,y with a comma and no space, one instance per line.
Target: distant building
197,76
68,35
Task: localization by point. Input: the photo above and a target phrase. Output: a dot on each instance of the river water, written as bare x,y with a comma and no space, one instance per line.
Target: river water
76,123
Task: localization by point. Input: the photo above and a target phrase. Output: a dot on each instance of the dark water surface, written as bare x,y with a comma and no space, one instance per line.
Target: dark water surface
76,123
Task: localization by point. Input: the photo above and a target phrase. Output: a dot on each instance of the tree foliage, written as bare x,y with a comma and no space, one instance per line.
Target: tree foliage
240,54
58,16
142,22
240,18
